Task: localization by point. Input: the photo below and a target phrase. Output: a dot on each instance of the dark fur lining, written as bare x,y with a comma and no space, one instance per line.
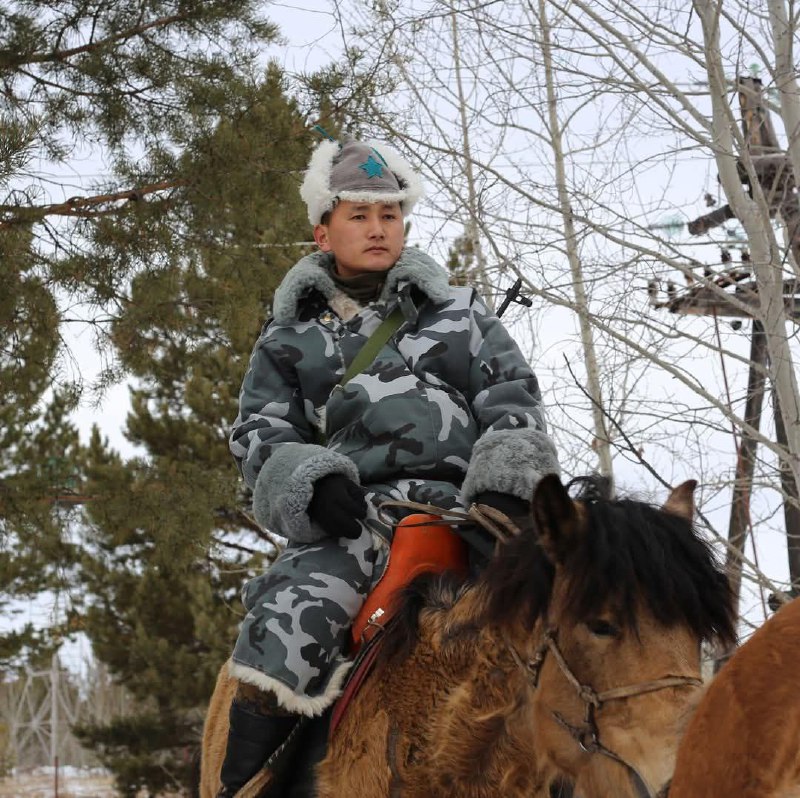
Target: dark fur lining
427,591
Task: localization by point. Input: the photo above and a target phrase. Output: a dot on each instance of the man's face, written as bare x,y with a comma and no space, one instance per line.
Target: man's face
363,237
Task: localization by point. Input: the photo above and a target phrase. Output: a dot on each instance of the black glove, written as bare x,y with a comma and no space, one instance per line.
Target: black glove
336,504
515,508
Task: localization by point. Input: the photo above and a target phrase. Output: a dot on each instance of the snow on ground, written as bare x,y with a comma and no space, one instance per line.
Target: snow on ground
72,783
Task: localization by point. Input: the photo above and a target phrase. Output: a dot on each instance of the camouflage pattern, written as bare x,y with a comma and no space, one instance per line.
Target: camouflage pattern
451,375
405,428
299,613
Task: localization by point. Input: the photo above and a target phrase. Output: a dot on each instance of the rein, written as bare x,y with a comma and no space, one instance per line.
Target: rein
496,523
588,735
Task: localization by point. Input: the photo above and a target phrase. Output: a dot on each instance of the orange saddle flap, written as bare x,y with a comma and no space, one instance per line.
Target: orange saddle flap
419,545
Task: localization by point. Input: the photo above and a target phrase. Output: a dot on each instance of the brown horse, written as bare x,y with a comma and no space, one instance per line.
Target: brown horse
574,656
744,739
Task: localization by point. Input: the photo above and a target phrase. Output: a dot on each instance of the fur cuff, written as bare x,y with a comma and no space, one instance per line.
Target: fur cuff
285,485
510,461
312,706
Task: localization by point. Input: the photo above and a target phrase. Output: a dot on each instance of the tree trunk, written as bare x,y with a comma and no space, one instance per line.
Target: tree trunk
785,80
791,508
473,206
602,443
765,254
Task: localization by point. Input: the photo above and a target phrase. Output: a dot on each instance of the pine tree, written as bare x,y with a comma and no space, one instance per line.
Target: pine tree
170,256
115,86
170,537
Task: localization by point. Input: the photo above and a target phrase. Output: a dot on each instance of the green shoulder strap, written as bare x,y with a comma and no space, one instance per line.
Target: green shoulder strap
386,329
368,353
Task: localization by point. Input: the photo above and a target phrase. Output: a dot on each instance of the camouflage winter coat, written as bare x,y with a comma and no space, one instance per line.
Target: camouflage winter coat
449,399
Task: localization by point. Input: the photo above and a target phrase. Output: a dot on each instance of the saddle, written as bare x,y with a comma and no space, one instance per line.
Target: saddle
420,545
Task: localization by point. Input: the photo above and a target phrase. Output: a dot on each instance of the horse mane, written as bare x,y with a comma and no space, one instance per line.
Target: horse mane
630,550
441,590
435,591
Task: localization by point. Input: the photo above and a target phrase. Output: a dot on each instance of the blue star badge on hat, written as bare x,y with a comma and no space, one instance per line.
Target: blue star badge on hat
371,167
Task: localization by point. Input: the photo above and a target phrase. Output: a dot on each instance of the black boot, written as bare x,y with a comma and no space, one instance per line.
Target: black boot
252,740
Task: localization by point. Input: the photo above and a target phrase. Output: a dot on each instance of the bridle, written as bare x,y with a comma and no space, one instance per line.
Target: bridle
587,735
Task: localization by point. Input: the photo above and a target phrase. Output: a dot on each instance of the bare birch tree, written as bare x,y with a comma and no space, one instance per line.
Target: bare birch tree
594,133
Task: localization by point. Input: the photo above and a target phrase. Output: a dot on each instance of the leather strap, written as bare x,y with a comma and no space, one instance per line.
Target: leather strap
386,329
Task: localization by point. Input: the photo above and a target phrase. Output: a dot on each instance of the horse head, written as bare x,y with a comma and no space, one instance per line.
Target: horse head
568,667
604,604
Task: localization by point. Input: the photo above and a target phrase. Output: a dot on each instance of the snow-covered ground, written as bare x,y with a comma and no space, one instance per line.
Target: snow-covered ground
72,783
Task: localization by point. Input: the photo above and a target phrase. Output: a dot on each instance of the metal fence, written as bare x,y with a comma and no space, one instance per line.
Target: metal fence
39,708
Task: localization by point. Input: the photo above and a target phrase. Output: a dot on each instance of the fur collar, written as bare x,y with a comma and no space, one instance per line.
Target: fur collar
413,266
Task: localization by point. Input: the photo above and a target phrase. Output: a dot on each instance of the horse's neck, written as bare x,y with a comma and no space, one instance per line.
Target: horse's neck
495,652
486,718
449,718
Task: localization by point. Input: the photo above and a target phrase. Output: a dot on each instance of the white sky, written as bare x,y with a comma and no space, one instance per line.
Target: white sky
313,40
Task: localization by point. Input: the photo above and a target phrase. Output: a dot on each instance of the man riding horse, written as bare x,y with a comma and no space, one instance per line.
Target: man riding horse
442,408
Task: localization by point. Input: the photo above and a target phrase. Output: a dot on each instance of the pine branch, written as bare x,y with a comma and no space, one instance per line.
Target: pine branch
9,59
237,546
85,207
254,526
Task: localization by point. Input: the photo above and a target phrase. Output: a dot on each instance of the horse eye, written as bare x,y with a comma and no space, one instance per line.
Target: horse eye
602,628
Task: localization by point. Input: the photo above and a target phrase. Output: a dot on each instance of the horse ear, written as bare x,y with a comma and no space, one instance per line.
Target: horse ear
555,516
681,500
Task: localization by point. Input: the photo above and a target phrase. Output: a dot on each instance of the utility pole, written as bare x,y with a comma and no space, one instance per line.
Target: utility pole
734,293
776,178
745,460
54,665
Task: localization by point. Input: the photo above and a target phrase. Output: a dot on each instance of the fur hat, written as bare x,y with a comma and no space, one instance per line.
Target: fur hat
358,171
